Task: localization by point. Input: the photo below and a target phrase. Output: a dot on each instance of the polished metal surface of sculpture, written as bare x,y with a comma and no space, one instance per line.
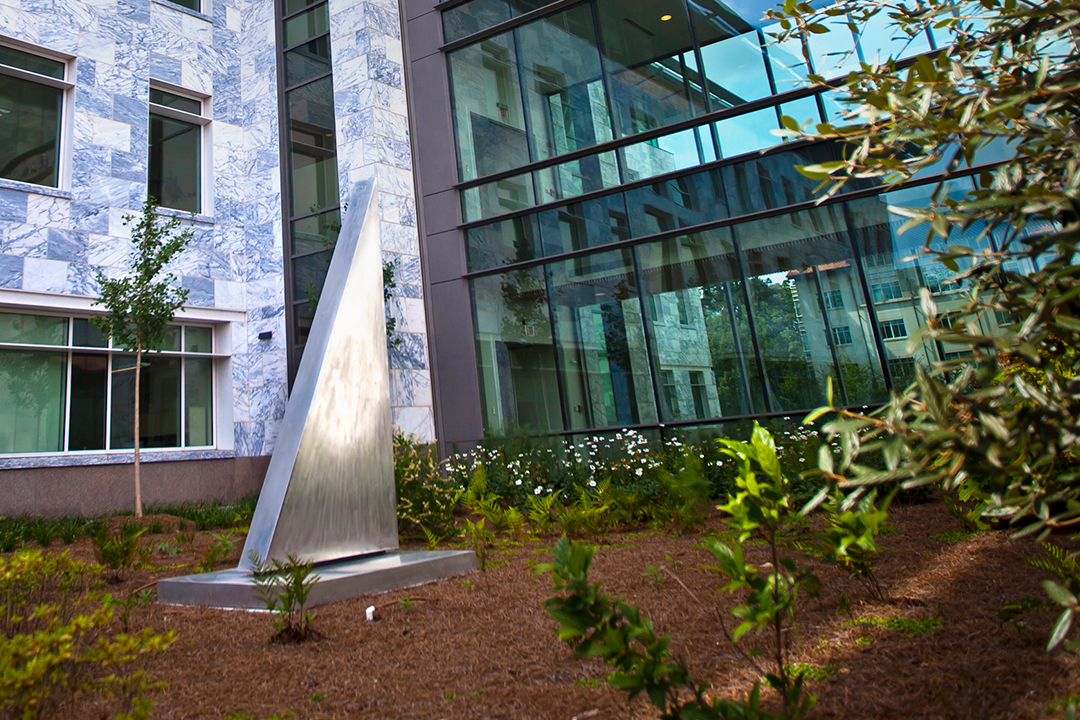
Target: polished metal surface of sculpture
329,490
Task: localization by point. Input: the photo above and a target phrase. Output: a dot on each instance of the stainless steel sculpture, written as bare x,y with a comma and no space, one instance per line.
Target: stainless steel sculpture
329,490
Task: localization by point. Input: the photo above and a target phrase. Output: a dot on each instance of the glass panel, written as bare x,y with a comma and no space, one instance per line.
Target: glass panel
307,25
32,396
307,61
583,225
786,59
302,317
173,169
650,62
577,177
520,7
311,146
601,343
176,102
516,361
171,338
564,92
317,232
29,131
291,6
502,243
86,334
809,313
189,4
678,151
748,133
31,63
309,274
834,53
472,17
198,339
880,39
696,313
805,112
731,50
771,181
676,203
498,198
896,268
89,375
159,403
489,120
33,329
198,402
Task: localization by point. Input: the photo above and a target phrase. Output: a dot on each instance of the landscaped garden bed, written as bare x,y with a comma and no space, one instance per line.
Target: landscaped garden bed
482,646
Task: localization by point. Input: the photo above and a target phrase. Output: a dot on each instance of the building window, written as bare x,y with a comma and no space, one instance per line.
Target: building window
31,107
841,335
671,395
893,329
834,299
902,371
697,392
175,164
63,387
884,292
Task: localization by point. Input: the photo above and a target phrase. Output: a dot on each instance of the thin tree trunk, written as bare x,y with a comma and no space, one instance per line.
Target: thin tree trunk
138,479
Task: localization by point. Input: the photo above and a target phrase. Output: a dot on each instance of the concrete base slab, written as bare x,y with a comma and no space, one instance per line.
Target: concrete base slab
340,580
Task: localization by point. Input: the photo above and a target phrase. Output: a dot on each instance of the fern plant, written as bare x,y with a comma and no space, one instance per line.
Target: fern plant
285,588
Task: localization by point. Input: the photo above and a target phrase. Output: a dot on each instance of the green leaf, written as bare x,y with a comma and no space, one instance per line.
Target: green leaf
1059,594
1061,628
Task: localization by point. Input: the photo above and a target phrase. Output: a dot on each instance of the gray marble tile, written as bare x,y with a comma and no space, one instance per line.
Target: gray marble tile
11,272
67,245
12,205
130,110
166,68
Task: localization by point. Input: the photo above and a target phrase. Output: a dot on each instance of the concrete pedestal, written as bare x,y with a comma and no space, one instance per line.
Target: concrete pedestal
340,580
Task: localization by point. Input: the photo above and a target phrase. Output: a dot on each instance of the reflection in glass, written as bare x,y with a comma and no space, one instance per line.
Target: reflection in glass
29,131
86,334
564,91
748,133
678,151
771,181
198,339
518,381
489,121
173,165
676,203
89,374
305,26
600,340
805,111
32,329
696,314
307,61
809,313
583,225
32,396
198,402
309,274
498,198
472,17
313,182
731,50
159,402
317,232
650,62
503,243
577,177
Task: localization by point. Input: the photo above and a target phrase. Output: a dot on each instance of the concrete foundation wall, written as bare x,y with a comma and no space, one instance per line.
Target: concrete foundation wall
97,489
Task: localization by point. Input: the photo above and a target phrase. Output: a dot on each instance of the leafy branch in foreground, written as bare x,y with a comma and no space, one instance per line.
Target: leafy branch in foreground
595,624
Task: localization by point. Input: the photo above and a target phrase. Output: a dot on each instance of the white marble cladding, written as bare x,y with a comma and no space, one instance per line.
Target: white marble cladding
55,241
373,140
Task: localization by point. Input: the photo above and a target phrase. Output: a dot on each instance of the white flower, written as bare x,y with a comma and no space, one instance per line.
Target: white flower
639,472
517,482
592,483
538,490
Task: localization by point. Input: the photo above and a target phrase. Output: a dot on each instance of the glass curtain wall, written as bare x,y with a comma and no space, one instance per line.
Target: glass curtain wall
312,200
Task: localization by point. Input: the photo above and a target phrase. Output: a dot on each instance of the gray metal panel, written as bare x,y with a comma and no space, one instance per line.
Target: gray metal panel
329,490
235,589
451,316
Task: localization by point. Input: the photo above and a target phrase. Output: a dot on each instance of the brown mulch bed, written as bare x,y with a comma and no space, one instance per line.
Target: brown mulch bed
482,646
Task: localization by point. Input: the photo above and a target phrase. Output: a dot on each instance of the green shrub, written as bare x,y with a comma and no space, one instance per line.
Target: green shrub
425,500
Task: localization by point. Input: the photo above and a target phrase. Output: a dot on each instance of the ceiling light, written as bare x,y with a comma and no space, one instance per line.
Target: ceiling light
665,18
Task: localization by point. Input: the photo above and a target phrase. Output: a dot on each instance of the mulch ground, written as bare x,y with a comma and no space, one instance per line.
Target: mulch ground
482,646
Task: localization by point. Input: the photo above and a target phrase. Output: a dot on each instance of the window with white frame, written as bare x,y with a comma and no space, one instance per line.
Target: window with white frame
32,89
893,329
841,335
64,387
174,176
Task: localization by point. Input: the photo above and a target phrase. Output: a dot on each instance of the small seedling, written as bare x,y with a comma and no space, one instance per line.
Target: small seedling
864,640
167,548
318,698
285,588
654,574
467,584
219,550
406,602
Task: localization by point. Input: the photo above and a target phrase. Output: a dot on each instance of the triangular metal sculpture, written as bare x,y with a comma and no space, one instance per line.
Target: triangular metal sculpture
329,490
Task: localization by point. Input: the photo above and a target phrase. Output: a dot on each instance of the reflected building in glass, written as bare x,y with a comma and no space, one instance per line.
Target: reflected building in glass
614,237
